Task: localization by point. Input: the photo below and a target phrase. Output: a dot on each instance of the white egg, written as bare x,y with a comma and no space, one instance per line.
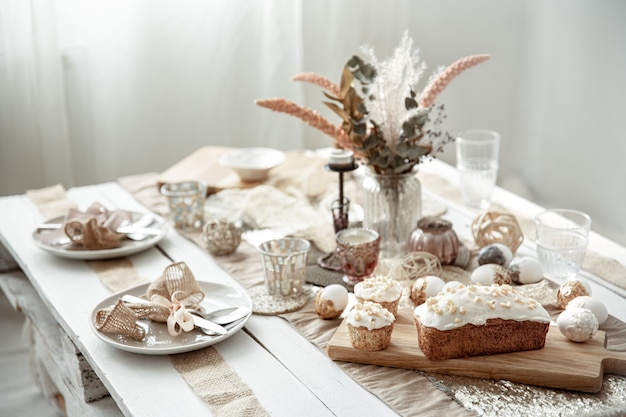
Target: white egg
451,285
432,285
490,274
596,307
577,324
336,293
526,270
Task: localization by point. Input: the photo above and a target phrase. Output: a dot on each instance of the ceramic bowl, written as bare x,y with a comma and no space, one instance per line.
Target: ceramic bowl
252,164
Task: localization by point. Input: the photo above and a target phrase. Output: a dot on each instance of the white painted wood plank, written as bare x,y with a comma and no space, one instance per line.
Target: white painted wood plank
135,381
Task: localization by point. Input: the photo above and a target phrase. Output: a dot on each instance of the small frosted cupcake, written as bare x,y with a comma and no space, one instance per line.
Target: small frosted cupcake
370,326
380,289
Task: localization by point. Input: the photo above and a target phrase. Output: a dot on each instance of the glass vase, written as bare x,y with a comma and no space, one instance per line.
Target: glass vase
392,205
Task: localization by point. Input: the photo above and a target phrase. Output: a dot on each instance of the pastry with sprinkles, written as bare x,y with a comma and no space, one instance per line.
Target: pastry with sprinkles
479,320
370,326
380,289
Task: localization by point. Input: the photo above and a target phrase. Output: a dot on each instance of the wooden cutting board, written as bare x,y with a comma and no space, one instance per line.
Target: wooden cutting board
560,364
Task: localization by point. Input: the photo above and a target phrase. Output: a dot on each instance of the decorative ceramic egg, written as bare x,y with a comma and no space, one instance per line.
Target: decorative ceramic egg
596,307
495,253
577,324
425,287
525,270
489,274
330,301
571,289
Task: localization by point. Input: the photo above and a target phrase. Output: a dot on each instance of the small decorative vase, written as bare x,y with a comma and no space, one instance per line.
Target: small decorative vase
435,235
392,205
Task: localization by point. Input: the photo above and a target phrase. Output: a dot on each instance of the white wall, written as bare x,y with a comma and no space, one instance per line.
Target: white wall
147,83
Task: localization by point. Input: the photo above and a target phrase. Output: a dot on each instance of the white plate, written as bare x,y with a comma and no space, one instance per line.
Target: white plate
158,341
127,247
252,164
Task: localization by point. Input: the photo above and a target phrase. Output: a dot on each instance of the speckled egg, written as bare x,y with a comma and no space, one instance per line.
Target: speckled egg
495,253
596,307
570,289
577,324
425,287
330,301
490,274
525,270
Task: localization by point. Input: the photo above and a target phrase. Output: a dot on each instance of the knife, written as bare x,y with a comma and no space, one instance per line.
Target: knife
208,325
152,231
197,320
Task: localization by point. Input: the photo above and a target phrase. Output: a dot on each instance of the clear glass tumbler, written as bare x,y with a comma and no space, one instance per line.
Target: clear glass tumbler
477,161
562,239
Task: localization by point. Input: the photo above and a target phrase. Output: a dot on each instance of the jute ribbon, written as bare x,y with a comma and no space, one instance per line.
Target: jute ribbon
205,370
167,300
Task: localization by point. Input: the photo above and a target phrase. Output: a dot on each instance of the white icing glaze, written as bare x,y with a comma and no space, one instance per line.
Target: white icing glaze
378,288
577,324
475,304
370,315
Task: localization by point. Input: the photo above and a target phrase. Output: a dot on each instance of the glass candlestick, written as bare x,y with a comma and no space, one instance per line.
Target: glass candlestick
340,211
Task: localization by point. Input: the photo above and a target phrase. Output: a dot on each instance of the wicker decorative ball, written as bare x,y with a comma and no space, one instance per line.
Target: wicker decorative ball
495,227
419,264
221,237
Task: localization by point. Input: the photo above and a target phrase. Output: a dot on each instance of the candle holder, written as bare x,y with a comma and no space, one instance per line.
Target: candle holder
339,208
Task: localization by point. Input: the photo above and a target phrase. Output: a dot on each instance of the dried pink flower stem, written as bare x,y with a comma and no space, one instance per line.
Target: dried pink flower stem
308,116
447,75
318,80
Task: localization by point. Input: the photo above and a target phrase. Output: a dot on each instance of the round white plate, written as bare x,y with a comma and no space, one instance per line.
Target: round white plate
158,341
43,238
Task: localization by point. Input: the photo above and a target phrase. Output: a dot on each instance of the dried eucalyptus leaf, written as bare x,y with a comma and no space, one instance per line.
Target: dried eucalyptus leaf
360,128
370,142
410,103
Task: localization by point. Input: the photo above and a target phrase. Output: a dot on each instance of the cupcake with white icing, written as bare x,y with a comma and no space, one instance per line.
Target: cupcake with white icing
380,289
370,326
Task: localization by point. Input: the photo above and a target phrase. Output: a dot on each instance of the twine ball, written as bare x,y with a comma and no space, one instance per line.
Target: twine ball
221,237
494,227
419,264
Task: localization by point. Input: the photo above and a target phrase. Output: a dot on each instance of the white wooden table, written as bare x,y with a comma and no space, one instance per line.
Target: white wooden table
288,374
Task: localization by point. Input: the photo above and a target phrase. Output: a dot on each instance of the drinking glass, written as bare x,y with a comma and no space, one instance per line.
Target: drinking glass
358,250
186,202
284,263
562,239
477,153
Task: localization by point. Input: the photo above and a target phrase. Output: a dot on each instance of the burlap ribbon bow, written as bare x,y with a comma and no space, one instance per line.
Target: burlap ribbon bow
95,228
167,301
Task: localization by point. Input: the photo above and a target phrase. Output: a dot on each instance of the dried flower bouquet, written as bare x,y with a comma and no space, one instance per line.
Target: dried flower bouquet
388,124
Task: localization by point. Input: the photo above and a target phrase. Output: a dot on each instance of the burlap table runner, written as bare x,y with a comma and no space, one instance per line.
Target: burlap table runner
205,370
417,393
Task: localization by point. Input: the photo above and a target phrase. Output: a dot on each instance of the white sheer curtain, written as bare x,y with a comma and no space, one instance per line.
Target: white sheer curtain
93,90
